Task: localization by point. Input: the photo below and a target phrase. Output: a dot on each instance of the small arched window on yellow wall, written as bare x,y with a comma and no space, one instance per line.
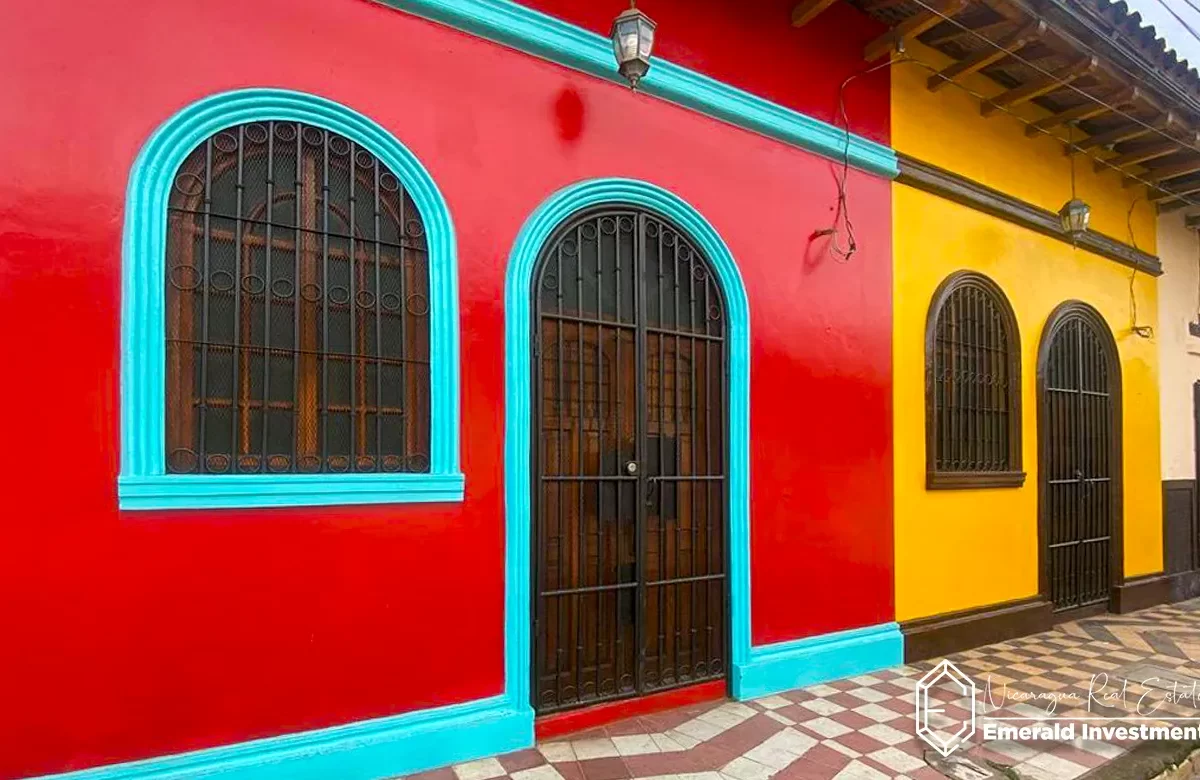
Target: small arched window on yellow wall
972,387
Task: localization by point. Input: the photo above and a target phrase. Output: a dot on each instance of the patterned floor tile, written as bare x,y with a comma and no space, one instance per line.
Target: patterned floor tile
861,728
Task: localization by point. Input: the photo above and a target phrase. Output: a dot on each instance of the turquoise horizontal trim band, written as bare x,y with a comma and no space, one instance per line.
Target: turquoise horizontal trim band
183,491
368,750
561,42
795,664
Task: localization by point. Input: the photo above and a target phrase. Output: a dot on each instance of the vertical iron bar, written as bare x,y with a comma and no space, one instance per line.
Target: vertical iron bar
599,412
379,454
723,426
539,569
709,466
1079,583
694,424
352,312
678,487
268,299
581,432
564,566
239,347
641,423
618,434
978,380
202,445
402,239
325,449
952,385
969,347
297,302
662,426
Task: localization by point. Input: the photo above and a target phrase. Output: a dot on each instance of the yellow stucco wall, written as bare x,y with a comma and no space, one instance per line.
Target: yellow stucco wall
958,549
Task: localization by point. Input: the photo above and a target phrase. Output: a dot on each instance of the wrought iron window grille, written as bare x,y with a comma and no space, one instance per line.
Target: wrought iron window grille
972,387
289,326
297,309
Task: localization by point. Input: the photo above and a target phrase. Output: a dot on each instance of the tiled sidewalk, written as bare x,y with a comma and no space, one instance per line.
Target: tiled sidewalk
862,728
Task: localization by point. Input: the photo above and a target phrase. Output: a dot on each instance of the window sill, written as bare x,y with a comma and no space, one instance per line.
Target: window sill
228,491
967,480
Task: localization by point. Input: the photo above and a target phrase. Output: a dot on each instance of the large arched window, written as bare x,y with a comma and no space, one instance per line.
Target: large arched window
972,386
293,268
297,304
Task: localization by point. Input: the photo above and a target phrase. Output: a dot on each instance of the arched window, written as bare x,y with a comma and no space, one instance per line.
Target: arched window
972,386
297,303
293,268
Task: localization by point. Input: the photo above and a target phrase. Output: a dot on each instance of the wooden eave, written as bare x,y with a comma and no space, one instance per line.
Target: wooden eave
1058,59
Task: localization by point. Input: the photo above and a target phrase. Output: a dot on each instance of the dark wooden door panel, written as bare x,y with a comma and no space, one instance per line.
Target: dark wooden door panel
1078,472
629,490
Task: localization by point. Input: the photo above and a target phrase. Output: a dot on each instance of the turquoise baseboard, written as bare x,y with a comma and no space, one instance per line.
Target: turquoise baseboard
369,750
780,667
412,742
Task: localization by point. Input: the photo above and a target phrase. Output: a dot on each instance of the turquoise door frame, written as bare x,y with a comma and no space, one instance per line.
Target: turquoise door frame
518,404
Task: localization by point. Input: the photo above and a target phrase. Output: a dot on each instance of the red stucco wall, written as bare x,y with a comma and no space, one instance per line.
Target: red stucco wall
752,45
136,634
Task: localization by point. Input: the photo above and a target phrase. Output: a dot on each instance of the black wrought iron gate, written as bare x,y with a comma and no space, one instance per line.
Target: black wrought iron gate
1078,466
629,468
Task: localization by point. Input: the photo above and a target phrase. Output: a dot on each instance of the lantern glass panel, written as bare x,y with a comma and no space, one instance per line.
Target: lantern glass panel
645,38
625,41
1075,215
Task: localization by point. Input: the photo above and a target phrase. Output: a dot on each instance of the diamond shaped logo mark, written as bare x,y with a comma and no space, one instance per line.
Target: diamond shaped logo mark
944,685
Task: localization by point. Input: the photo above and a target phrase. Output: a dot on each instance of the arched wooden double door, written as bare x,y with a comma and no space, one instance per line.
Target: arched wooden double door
1079,430
629,482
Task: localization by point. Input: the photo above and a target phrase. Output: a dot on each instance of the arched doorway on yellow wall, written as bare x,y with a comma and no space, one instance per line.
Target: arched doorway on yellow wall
1079,460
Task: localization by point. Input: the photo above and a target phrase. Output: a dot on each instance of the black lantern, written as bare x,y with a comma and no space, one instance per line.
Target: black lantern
633,40
1074,214
1074,217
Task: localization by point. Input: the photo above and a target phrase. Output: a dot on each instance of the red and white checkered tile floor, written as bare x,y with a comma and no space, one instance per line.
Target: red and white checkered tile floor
862,728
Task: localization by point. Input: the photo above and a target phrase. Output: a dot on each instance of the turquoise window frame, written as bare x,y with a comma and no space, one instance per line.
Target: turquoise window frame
144,482
518,323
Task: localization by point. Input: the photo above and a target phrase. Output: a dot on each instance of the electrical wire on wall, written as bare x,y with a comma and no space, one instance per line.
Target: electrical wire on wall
1144,331
841,250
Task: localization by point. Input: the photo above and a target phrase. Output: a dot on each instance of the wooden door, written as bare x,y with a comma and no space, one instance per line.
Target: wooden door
629,479
1079,464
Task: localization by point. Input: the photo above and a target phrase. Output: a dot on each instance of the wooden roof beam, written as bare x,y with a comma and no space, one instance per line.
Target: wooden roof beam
1087,110
874,6
806,11
1174,171
1126,132
1174,205
1165,196
988,31
911,28
1038,87
1143,153
987,56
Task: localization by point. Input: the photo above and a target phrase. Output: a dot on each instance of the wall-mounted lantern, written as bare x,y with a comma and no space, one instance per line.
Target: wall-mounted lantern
633,41
1074,214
